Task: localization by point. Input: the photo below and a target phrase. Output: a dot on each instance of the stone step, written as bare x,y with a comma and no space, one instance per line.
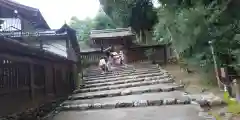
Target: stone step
114,72
127,85
127,91
97,70
144,100
119,68
172,112
143,76
124,81
120,75
134,97
125,67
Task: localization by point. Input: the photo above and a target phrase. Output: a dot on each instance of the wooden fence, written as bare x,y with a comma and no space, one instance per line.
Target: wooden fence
160,54
92,57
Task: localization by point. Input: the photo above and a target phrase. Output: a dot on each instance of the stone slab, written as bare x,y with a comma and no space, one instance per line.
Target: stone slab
126,76
132,90
172,112
126,81
118,74
147,96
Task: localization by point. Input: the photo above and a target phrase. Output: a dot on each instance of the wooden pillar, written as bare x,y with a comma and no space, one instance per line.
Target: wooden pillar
237,89
102,45
32,91
225,79
76,82
54,79
46,79
165,54
49,80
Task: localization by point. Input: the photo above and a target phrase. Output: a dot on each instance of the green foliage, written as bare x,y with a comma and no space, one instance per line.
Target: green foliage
234,109
102,21
216,116
83,27
190,24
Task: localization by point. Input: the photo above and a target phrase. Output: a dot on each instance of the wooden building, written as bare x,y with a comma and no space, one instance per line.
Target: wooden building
123,38
36,63
120,37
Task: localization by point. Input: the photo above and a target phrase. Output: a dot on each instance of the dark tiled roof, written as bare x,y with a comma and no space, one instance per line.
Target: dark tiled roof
108,33
85,47
32,14
30,50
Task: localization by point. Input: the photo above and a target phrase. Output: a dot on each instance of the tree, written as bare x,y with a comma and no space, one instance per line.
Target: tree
138,14
83,27
102,21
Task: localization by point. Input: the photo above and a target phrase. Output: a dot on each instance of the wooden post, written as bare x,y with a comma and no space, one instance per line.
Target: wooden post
215,65
32,91
225,77
165,54
237,88
75,79
101,45
46,79
54,79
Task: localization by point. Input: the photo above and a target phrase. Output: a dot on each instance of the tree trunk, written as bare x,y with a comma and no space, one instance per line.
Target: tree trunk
138,37
141,36
237,87
174,48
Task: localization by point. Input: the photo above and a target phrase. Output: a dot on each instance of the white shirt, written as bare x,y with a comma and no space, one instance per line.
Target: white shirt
121,54
102,62
114,53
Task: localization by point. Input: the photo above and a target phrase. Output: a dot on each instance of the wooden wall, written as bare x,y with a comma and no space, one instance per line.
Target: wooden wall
26,82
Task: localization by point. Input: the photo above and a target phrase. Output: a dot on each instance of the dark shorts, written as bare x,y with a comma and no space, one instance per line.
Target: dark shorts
121,61
104,68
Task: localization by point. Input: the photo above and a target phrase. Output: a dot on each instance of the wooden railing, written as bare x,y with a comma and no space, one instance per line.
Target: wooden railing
92,58
160,54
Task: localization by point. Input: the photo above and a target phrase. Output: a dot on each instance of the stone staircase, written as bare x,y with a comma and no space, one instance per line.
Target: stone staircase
143,92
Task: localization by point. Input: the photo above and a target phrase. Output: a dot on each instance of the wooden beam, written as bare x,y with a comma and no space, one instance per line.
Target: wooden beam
23,59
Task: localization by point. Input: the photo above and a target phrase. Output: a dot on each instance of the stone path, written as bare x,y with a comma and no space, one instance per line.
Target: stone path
136,92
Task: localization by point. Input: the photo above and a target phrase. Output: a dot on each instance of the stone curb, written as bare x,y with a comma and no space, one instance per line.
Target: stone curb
122,86
117,69
129,92
206,103
121,82
126,80
138,103
111,75
206,100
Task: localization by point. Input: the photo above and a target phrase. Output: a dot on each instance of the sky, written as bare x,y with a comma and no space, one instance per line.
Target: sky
56,12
